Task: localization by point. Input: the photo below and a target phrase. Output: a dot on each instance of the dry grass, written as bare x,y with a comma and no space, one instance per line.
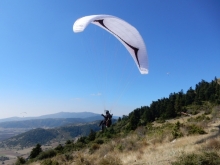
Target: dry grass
143,148
212,144
161,153
109,160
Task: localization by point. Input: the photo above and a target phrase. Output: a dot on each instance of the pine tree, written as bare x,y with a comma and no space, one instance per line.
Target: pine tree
92,135
35,151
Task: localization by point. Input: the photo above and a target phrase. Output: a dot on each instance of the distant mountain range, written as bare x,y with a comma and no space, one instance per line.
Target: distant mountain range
47,123
55,115
50,121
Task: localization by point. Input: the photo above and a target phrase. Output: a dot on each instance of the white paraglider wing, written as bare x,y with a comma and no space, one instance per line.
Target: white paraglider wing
123,31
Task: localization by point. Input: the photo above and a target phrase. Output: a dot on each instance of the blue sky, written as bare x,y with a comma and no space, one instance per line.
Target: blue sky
46,68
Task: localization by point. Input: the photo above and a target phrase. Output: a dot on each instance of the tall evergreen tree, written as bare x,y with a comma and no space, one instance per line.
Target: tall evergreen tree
92,135
35,151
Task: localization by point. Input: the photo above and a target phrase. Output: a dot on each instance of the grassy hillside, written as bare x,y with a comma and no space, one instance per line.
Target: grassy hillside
177,141
180,129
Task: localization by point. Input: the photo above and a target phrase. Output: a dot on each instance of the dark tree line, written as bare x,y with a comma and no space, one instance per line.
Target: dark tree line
176,103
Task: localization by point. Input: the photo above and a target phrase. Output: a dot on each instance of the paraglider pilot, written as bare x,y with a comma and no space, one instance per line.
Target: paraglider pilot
107,119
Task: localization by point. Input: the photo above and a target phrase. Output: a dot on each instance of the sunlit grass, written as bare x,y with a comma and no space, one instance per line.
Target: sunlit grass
155,144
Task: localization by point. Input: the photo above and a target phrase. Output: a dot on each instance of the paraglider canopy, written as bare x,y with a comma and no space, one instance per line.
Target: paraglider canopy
123,31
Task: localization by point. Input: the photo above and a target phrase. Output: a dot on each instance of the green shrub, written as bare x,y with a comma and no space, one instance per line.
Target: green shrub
119,147
49,162
161,120
59,148
210,158
206,158
47,154
68,147
82,139
109,160
82,161
176,131
194,129
68,157
99,141
68,142
91,136
94,147
202,117
190,159
35,151
79,145
20,160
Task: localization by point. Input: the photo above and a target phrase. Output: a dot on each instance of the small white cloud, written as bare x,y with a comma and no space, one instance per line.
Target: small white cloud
96,94
99,94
